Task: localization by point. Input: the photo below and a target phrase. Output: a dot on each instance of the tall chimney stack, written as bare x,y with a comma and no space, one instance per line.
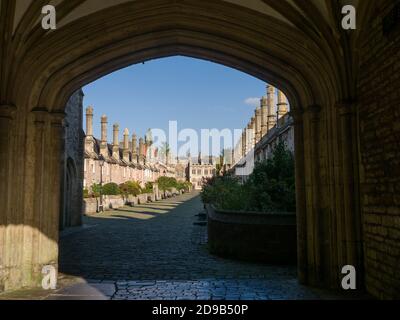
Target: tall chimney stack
258,125
115,148
244,142
125,152
253,129
89,121
264,115
282,105
134,149
89,140
271,113
141,151
103,143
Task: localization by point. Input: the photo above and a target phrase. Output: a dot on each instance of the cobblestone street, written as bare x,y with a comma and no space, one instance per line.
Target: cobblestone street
158,251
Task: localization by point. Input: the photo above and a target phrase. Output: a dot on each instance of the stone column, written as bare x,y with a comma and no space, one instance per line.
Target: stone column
313,186
258,125
115,149
42,197
126,145
351,218
282,106
7,123
271,112
264,116
301,213
103,143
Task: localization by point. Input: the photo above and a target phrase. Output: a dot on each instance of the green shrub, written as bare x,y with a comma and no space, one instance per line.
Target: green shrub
272,183
130,188
86,193
167,183
96,190
111,189
183,186
225,192
148,188
270,188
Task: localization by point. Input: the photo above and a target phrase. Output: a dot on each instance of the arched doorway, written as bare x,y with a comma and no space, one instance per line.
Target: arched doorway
287,52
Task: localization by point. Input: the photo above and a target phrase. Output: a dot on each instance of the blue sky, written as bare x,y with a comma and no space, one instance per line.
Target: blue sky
197,94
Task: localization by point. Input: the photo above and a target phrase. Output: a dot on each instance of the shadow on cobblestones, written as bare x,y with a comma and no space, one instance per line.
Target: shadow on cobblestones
155,251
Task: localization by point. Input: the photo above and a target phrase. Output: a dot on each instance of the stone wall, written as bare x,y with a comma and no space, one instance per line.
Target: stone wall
252,236
72,188
91,205
379,125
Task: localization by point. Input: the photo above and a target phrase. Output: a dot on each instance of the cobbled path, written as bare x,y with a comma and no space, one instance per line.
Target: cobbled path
157,251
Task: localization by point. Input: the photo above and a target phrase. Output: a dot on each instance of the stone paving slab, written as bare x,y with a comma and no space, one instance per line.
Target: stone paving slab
85,291
156,251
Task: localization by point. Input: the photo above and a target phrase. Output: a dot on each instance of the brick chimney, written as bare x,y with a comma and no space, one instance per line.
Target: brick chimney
115,148
264,115
141,151
258,124
282,105
271,112
126,145
103,143
134,149
89,140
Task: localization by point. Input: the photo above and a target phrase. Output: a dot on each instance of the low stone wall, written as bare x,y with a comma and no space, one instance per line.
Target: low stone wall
91,205
253,236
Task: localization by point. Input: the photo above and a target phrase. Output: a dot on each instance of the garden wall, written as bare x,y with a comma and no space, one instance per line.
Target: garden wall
258,237
91,205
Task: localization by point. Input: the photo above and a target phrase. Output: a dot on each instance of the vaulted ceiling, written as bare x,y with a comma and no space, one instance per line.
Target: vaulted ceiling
297,39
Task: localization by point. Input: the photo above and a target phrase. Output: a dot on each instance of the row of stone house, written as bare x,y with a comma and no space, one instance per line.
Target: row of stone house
131,160
270,124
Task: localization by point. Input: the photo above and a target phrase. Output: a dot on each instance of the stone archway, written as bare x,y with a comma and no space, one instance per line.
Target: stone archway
307,56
